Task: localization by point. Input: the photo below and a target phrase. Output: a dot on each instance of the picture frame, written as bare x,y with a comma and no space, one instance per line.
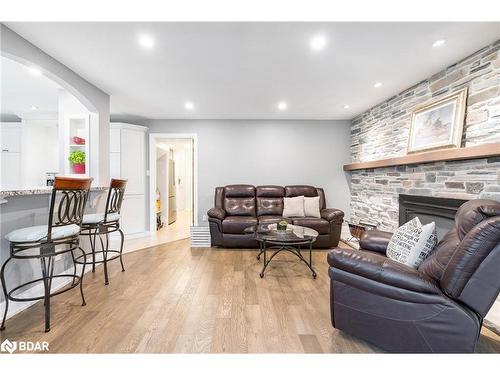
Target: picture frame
439,124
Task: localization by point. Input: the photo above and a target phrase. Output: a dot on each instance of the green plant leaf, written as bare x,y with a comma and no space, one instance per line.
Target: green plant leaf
77,157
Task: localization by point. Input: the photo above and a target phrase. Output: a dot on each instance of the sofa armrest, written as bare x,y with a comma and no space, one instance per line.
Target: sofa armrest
375,240
216,213
332,214
381,269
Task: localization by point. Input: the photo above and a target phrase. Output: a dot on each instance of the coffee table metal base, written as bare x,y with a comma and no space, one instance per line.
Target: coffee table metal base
293,248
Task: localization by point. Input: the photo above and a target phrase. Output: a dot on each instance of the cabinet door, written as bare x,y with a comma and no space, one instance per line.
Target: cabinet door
133,160
133,214
114,140
114,165
11,171
10,138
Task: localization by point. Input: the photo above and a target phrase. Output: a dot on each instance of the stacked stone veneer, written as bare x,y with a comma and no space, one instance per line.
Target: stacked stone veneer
383,131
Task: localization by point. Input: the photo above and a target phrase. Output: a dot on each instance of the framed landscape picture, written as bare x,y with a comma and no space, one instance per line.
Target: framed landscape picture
438,124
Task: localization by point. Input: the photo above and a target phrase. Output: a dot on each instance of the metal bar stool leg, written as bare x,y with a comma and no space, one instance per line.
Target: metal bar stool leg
92,247
46,286
104,261
83,273
5,293
121,248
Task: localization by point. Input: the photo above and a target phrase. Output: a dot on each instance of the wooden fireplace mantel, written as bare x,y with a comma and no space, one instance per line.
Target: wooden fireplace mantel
463,153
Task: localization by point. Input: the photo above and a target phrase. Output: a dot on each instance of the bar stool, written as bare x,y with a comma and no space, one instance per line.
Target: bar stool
96,225
45,242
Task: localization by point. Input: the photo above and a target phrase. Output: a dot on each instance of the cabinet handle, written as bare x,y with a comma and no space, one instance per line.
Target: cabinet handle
4,150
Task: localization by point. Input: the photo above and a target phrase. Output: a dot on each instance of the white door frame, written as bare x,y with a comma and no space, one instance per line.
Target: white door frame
153,137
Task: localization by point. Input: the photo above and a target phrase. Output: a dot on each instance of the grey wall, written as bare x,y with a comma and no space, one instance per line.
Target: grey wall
17,48
262,152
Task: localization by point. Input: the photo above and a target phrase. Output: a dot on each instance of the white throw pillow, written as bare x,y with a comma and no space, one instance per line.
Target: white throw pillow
293,207
311,206
412,242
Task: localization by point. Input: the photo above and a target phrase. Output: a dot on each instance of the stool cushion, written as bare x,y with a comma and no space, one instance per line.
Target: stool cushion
98,218
39,233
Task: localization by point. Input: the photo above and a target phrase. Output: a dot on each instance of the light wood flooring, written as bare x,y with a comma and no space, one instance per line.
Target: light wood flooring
174,299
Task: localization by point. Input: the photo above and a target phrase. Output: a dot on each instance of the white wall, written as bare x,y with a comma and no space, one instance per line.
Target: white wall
267,152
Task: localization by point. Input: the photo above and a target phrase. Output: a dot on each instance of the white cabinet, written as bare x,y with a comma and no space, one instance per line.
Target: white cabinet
11,165
10,137
133,160
10,157
128,161
133,214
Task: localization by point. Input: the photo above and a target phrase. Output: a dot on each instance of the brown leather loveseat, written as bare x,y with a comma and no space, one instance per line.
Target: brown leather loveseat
438,307
240,206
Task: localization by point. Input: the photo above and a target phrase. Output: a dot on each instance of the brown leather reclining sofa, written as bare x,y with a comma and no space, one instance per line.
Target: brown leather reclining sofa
240,206
438,307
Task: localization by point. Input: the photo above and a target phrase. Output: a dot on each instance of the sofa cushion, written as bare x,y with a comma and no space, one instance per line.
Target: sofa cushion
239,206
269,206
270,191
311,206
296,190
239,191
271,219
320,225
293,207
237,224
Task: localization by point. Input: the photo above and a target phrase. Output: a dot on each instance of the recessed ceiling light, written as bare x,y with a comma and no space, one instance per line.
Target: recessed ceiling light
439,43
377,85
35,71
282,106
347,106
189,106
146,41
318,42
34,107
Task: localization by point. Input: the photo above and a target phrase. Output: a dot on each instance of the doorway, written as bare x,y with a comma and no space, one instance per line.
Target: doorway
172,186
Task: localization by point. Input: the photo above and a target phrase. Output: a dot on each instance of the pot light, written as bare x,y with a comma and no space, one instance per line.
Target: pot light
146,41
35,71
347,106
282,106
377,85
318,42
439,43
189,106
34,107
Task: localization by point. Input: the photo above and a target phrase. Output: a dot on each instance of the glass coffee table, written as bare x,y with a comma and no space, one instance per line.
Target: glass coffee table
292,240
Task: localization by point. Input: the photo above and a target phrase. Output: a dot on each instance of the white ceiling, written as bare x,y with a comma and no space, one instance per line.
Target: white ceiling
21,90
241,70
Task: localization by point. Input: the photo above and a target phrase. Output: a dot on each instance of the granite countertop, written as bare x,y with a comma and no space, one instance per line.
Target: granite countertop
35,190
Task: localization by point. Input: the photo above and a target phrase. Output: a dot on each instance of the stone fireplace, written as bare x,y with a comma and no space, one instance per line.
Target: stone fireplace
382,132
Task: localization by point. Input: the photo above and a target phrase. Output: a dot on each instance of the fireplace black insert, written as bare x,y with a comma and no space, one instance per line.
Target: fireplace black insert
440,210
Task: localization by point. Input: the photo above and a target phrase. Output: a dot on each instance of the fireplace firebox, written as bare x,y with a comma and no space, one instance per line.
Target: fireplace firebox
440,210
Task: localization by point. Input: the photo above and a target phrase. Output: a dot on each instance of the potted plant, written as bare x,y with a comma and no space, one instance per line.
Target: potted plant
282,225
77,159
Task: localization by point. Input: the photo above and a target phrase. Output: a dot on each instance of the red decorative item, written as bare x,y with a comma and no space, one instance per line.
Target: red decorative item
78,141
79,168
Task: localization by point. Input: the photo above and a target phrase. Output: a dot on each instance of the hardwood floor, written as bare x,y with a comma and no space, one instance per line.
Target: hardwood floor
174,299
